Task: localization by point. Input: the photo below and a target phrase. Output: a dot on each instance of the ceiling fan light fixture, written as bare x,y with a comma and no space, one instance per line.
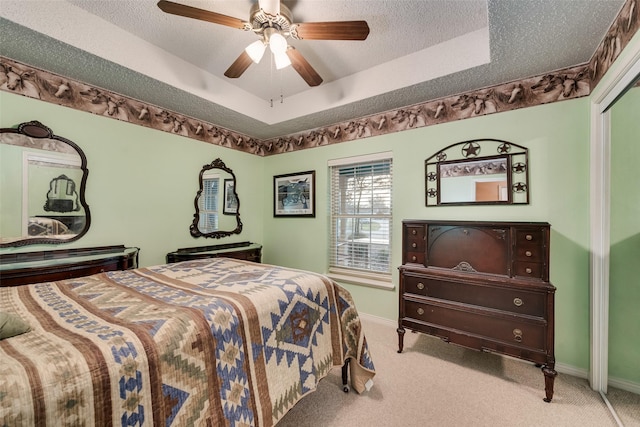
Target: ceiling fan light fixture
255,50
281,60
273,23
277,43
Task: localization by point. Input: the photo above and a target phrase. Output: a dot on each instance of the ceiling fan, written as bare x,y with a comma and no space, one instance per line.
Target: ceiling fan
272,22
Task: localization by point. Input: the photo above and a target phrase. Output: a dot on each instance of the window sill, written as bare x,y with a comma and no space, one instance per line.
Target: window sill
372,280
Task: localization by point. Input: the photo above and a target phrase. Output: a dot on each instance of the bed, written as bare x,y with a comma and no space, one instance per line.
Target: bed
206,342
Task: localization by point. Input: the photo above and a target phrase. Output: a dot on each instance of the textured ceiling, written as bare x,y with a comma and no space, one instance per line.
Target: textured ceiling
416,51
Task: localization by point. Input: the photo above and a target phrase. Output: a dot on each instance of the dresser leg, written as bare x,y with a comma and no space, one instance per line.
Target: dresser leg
549,377
400,339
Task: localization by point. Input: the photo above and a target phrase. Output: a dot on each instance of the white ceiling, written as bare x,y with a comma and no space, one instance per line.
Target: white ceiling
417,50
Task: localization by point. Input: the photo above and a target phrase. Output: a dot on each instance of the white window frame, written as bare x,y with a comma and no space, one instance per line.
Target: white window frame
355,275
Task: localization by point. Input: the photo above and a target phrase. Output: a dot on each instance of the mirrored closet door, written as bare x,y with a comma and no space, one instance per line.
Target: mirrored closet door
624,285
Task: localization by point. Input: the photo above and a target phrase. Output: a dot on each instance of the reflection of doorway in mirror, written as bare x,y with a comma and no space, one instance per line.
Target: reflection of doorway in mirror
464,181
37,172
490,191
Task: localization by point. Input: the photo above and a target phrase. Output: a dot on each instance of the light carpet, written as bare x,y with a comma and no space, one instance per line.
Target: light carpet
437,384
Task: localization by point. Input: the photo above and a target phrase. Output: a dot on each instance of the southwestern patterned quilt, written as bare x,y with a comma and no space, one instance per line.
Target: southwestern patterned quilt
209,342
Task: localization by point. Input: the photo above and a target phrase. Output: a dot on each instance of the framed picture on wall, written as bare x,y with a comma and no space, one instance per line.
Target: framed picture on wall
294,194
230,200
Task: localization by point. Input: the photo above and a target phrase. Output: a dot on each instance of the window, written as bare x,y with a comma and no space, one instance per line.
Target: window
208,203
361,219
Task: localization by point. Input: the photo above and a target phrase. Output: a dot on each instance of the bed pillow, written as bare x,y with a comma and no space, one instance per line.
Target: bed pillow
11,325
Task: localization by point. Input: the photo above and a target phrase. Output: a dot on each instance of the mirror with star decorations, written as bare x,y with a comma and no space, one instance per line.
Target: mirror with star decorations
478,172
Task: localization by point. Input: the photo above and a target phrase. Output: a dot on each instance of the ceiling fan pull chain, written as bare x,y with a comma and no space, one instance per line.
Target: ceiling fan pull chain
271,77
281,96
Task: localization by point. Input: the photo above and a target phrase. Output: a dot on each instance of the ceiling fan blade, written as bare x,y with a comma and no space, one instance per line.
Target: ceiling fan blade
201,14
239,66
271,7
303,68
340,30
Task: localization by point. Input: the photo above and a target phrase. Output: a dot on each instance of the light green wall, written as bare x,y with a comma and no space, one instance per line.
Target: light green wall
142,182
557,136
624,285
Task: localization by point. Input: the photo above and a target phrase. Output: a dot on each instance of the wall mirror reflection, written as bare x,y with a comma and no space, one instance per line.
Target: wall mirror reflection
481,172
217,203
62,195
42,187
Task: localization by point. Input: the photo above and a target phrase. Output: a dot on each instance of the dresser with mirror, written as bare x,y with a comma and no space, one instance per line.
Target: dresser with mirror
481,285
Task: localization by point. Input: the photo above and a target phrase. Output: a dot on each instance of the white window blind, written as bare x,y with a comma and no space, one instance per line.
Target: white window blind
361,219
208,204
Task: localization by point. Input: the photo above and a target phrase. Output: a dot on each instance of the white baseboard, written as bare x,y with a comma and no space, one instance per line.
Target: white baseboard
379,320
562,368
572,370
619,383
623,384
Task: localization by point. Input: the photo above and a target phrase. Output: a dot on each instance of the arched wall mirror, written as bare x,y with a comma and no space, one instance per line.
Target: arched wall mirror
217,203
478,172
42,187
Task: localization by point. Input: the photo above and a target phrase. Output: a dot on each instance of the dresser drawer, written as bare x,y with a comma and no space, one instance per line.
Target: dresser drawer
531,270
528,253
499,298
414,257
533,236
514,331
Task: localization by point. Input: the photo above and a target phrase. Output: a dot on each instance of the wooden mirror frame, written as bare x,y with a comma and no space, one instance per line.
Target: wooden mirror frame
38,131
473,151
194,229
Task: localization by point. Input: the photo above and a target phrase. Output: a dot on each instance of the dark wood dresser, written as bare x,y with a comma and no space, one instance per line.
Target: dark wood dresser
46,266
482,285
242,250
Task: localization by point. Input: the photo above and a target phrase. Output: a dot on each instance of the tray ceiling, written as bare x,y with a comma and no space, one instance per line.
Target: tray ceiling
416,51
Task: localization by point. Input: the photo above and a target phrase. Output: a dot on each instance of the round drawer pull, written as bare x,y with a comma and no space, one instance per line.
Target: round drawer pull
528,253
529,237
414,245
413,258
528,270
517,335
420,286
517,302
420,311
414,232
